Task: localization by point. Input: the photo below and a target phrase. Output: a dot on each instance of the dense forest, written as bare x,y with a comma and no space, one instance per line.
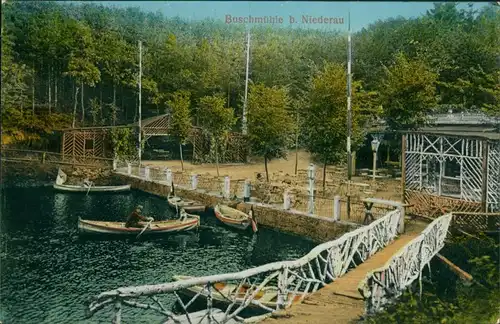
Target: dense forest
74,65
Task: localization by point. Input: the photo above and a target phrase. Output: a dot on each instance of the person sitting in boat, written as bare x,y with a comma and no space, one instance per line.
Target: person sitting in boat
135,218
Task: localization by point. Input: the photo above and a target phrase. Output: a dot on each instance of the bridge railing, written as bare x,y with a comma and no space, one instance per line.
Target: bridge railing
382,286
267,288
44,157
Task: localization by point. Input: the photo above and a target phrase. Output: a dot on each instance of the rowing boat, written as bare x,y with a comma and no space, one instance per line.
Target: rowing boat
225,293
87,187
83,188
190,206
159,227
234,218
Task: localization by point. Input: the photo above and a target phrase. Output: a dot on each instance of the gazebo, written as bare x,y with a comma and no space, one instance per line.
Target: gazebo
95,141
453,165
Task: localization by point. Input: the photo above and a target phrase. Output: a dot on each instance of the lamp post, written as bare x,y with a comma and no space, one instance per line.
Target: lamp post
375,145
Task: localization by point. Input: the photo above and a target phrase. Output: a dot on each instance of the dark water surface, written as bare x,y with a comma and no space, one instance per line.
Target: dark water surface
48,273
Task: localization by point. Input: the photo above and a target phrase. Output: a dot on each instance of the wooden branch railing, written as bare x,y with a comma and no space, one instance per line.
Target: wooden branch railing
382,286
283,282
44,157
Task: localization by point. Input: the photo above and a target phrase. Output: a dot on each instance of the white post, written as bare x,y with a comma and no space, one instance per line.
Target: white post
140,101
129,169
244,115
146,173
114,165
312,175
194,181
286,200
169,177
247,190
336,208
227,191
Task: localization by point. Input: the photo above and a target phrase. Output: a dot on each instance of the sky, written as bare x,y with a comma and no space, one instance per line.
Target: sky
362,13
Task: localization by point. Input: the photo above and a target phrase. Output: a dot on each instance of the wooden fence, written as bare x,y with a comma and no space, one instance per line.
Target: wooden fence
43,157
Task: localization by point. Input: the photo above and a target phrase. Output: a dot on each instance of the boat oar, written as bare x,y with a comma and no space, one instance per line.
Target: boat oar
90,186
147,225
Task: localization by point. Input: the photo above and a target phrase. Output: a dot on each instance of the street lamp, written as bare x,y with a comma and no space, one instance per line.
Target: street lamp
375,145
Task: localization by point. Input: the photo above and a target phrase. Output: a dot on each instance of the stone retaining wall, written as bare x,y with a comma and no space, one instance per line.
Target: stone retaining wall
319,229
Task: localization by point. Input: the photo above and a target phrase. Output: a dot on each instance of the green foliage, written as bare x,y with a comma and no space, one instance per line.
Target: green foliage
180,123
325,118
408,93
124,143
270,126
215,118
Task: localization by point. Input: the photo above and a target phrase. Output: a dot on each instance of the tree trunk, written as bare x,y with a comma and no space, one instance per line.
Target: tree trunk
74,107
55,93
100,96
50,90
113,113
83,107
324,177
265,166
33,88
217,158
182,160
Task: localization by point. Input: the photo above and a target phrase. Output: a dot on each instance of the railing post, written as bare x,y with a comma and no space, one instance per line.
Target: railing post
282,289
247,189
43,158
227,183
169,176
286,200
194,181
114,164
129,169
336,208
146,173
311,176
118,313
401,223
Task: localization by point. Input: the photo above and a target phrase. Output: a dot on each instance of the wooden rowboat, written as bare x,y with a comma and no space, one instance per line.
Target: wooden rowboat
225,293
62,177
190,206
82,188
234,218
158,227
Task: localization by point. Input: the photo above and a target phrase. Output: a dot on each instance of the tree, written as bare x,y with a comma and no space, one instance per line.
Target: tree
408,93
216,120
180,122
270,126
325,118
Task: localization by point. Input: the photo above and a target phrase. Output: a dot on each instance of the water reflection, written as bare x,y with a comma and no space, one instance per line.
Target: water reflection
48,271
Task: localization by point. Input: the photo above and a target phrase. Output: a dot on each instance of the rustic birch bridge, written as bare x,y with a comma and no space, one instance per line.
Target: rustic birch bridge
356,274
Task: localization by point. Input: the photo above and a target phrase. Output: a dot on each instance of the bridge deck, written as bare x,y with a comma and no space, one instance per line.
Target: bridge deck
340,302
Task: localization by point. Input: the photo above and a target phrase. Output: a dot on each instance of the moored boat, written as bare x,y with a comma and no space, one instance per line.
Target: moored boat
159,227
225,293
86,187
234,218
190,206
91,188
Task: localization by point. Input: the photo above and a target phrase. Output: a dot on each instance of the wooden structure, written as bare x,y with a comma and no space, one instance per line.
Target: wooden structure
452,166
96,142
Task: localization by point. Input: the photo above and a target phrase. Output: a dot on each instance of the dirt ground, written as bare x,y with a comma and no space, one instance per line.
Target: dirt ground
240,171
280,170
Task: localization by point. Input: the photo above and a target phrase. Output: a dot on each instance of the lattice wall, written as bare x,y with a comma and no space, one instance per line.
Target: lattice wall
234,150
447,172
494,177
88,143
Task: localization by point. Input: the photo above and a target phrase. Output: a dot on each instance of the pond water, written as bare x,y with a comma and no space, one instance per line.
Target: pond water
48,273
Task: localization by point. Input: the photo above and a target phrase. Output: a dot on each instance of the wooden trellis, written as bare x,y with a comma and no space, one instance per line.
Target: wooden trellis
85,143
451,172
234,150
